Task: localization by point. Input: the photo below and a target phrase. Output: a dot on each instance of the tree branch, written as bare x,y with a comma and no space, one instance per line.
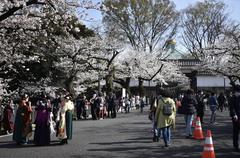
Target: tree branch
11,11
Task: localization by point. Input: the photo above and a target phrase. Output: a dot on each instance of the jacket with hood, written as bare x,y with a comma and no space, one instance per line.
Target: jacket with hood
165,120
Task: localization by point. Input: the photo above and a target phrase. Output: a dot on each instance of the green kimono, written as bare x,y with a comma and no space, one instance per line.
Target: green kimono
69,116
22,126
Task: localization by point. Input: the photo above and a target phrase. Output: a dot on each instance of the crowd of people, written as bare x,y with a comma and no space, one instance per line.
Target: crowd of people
42,115
43,122
163,112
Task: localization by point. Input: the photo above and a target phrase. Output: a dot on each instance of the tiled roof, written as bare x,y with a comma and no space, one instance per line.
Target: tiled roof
189,65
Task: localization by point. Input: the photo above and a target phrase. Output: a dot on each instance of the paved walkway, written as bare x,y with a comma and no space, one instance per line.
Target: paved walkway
127,136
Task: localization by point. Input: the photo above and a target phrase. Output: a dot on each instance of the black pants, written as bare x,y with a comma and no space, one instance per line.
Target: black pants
111,111
94,112
200,115
81,112
236,129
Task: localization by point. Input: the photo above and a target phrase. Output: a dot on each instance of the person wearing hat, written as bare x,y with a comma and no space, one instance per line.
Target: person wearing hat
235,114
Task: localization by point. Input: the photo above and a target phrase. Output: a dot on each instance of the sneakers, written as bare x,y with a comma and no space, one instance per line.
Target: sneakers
189,137
155,139
166,146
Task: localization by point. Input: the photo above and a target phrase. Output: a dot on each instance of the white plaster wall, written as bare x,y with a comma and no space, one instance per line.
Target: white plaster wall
135,83
212,81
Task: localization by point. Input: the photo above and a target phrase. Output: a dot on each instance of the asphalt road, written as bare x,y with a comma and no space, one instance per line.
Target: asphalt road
127,136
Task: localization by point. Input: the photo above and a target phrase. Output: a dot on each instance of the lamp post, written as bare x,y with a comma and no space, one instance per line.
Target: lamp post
99,85
99,78
224,84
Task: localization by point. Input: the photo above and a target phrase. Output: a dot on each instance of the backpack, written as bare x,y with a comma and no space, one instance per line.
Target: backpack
167,109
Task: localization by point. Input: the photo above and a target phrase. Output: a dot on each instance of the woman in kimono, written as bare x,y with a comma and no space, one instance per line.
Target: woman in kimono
65,120
42,129
8,118
23,126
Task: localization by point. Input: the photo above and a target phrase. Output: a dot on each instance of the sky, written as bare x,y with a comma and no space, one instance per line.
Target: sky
232,6
232,9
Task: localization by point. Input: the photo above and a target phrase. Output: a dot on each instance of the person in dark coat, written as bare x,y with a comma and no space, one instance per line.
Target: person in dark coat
111,110
221,101
56,104
213,104
189,104
235,114
200,105
42,129
81,107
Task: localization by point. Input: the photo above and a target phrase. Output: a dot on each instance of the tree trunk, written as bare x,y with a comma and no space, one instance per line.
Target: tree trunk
127,86
140,87
69,85
109,83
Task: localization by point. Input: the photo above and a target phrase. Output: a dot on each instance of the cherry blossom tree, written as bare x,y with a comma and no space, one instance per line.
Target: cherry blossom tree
29,33
148,27
43,43
223,57
148,67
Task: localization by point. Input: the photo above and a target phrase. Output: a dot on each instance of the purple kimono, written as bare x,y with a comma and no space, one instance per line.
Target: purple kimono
42,129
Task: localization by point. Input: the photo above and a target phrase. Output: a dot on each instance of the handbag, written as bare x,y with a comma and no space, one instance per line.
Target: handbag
150,115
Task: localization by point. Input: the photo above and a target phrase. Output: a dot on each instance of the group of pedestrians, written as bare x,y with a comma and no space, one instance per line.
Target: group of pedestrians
132,102
43,115
43,123
192,104
102,106
163,112
107,105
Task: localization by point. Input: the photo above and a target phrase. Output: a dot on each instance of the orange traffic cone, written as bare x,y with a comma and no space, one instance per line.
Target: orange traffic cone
208,151
198,134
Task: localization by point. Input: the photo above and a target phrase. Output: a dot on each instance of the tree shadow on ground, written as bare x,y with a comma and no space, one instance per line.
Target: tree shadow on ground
159,151
13,145
124,142
149,151
143,146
